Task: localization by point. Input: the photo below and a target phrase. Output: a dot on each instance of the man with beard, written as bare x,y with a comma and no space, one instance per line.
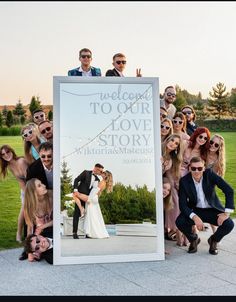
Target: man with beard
168,100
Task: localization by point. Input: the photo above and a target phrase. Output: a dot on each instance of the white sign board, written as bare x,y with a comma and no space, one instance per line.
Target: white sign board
115,122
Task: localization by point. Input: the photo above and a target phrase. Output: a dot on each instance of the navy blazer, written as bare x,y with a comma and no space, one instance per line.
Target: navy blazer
188,194
96,72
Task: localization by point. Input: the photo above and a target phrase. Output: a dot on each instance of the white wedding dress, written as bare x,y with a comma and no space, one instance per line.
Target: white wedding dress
94,225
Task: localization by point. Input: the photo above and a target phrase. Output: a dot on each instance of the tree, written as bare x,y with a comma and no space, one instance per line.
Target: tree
34,104
218,103
1,120
232,100
4,112
9,119
50,115
19,111
201,114
66,183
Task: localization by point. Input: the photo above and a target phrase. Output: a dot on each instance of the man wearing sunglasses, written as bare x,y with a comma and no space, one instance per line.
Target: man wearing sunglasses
85,70
41,247
190,115
38,116
119,63
46,130
42,168
168,100
199,203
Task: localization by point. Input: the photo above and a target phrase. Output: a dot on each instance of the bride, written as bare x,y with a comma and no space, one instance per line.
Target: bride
94,226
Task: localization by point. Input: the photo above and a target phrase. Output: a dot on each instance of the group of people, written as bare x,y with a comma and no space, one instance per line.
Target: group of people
193,163
34,173
86,70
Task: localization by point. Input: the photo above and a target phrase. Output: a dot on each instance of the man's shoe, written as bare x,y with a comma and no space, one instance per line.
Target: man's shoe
75,236
193,246
213,246
23,256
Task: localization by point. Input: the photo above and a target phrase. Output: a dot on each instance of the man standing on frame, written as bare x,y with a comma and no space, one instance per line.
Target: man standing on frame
85,70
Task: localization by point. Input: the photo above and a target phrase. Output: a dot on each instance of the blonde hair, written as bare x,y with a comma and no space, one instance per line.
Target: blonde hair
27,145
167,120
31,203
219,166
168,203
176,155
183,119
109,181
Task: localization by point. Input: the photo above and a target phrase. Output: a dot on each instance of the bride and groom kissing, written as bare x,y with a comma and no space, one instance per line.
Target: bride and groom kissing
87,187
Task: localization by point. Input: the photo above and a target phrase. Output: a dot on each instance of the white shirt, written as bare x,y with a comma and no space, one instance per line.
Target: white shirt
171,110
120,73
201,199
85,73
50,243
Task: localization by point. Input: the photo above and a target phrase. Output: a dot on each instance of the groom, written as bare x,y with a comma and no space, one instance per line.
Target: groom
83,184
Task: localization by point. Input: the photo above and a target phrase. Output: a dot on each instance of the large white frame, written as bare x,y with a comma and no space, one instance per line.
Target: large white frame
160,254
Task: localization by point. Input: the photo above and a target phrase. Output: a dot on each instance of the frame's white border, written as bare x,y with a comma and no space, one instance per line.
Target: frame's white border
160,254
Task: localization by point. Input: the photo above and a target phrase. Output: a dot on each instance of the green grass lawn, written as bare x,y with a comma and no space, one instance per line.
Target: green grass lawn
10,192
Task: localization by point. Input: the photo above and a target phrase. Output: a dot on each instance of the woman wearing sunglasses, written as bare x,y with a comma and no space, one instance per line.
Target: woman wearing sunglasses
216,158
166,128
38,209
197,146
216,155
17,165
179,127
32,141
172,151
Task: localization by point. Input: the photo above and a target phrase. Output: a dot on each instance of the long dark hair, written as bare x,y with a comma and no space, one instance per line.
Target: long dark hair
3,163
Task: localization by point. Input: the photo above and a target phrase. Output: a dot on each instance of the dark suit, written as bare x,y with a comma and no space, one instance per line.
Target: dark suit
96,72
82,184
190,128
112,73
48,254
188,203
36,170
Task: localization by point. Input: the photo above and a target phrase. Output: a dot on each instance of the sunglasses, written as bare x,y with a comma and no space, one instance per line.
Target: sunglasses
187,112
165,127
163,115
203,137
176,122
196,168
46,156
46,129
26,134
37,247
171,94
7,152
38,116
85,56
119,62
213,143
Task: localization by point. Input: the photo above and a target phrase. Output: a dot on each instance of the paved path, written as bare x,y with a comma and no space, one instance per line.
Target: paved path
180,274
